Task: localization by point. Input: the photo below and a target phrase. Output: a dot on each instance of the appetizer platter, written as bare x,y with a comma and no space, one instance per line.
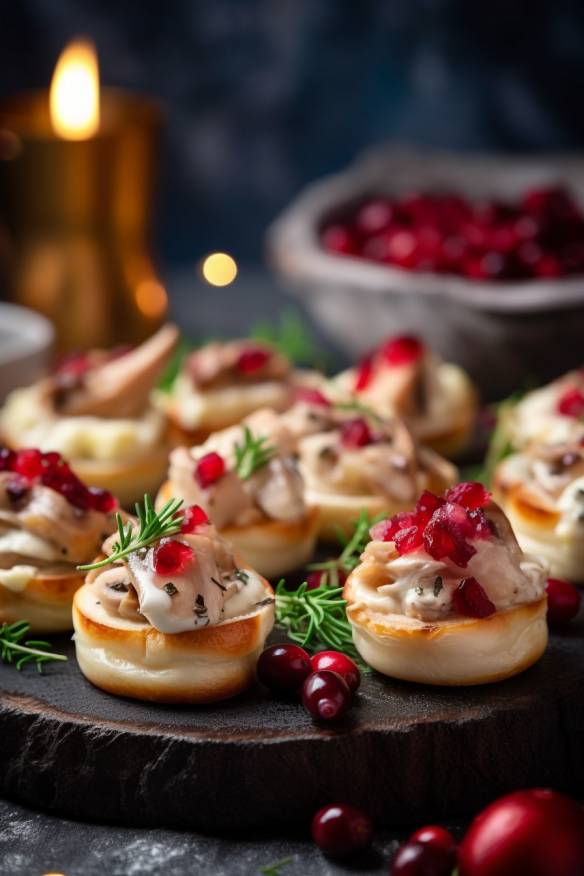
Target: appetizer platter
277,580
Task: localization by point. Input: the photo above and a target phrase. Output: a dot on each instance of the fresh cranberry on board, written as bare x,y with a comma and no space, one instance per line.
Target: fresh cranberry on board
325,695
535,832
341,830
283,668
436,837
421,859
339,663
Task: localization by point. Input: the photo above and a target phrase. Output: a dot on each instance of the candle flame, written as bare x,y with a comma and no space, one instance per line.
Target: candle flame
74,97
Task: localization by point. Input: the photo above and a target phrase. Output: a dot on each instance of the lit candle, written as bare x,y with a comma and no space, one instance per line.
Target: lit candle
77,173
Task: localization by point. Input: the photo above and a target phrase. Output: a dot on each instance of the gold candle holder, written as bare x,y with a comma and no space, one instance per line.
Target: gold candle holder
77,215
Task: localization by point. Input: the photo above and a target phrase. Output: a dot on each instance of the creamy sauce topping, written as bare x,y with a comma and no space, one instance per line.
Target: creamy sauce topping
536,418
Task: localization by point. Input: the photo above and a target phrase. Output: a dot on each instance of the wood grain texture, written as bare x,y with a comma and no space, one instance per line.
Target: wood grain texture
406,753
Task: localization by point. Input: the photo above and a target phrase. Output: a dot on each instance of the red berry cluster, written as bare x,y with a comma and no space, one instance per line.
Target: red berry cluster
539,236
325,681
252,359
355,433
193,518
172,557
571,403
50,469
393,352
209,469
440,525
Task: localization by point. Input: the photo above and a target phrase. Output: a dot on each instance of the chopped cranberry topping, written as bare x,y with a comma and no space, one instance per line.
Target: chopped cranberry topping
172,557
402,350
28,463
76,493
364,374
102,500
470,599
193,518
571,404
252,359
210,468
311,396
442,526
470,495
355,433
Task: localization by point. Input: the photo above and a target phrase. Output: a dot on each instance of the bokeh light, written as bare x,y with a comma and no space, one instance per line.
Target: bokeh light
219,269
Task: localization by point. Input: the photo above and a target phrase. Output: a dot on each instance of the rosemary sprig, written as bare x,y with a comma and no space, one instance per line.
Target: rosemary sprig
152,526
252,454
14,648
315,618
274,869
353,547
292,338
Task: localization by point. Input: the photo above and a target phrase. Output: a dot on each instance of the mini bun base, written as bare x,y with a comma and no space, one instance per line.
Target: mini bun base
462,651
45,602
135,660
341,511
275,547
127,479
456,440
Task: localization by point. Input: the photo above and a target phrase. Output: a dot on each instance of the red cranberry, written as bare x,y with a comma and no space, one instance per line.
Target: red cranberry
7,459
210,468
409,539
421,859
364,374
383,531
252,359
339,663
374,216
52,459
571,403
445,536
326,695
341,830
316,579
536,832
76,493
338,239
283,668
401,248
355,433
172,557
470,599
427,504
436,837
563,601
402,350
469,494
193,517
311,396
102,500
547,266
29,463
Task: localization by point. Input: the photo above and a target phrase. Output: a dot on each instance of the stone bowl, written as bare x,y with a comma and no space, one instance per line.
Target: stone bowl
505,334
26,340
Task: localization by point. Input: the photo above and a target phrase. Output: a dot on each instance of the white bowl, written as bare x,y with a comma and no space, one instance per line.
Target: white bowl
500,332
26,339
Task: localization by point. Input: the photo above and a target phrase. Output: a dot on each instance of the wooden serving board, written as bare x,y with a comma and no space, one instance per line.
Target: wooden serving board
406,753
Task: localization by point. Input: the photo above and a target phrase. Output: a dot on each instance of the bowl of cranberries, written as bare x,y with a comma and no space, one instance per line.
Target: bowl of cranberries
484,256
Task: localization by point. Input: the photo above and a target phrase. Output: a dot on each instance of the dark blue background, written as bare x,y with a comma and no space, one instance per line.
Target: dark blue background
265,95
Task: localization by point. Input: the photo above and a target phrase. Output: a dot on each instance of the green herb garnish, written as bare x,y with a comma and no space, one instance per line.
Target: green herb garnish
291,338
152,526
316,618
353,547
175,365
358,407
14,648
252,454
274,869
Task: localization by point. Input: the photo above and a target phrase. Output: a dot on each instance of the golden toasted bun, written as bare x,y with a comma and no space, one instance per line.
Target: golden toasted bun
127,479
535,527
133,659
275,547
45,602
454,440
271,547
461,651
